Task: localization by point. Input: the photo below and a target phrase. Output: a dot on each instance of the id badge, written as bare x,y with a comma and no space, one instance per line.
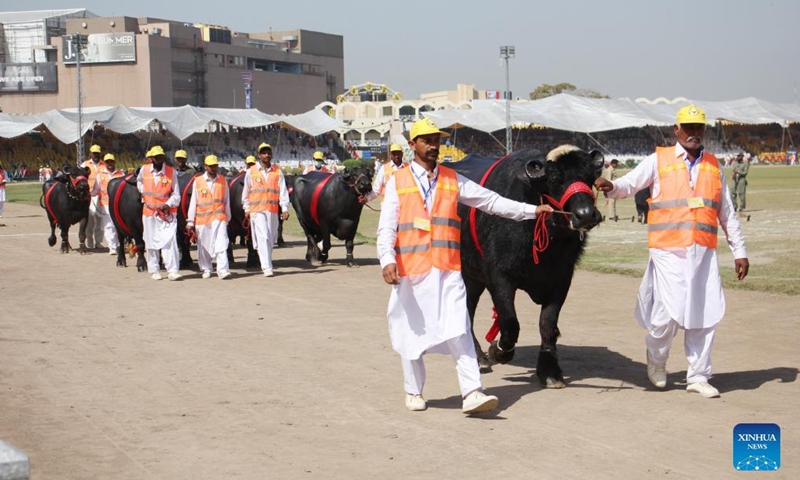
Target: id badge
696,202
422,224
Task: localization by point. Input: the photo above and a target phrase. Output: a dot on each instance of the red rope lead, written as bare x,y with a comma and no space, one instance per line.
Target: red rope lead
541,236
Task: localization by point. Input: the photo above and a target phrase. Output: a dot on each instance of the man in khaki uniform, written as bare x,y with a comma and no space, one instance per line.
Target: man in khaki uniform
740,170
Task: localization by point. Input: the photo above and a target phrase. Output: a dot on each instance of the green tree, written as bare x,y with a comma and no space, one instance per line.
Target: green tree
546,90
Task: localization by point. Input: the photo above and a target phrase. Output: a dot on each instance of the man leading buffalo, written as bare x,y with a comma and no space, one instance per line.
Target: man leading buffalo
158,184
681,288
420,252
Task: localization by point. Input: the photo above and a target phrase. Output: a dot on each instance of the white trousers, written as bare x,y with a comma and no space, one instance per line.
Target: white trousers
109,231
94,226
170,256
2,206
697,343
264,228
462,349
204,260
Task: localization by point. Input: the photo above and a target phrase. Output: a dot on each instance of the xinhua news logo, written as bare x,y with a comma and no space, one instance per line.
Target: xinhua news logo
757,447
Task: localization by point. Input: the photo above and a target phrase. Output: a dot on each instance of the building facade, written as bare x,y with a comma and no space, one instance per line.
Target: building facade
149,62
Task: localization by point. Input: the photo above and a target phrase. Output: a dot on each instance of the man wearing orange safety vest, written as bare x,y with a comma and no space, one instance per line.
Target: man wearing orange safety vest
265,198
318,165
385,172
103,177
681,288
208,216
94,229
419,248
158,184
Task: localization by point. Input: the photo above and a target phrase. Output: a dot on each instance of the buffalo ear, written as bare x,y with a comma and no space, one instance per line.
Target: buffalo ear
534,169
598,161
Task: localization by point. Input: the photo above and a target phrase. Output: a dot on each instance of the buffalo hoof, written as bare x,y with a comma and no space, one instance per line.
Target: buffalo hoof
548,371
121,263
552,383
484,364
500,356
82,249
141,268
65,248
281,243
51,240
352,264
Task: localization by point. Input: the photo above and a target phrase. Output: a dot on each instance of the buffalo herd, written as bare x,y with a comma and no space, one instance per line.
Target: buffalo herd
500,256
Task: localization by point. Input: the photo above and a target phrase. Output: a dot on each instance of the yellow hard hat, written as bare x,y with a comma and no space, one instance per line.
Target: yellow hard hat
426,126
155,151
250,160
95,149
395,148
318,155
211,160
691,114
263,146
181,154
109,156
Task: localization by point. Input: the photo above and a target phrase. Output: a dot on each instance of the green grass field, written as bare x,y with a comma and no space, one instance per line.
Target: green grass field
772,234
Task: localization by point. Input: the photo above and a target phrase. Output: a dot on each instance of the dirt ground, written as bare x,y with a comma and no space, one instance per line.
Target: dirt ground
107,374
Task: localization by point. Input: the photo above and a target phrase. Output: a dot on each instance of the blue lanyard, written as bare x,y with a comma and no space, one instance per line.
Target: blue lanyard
427,193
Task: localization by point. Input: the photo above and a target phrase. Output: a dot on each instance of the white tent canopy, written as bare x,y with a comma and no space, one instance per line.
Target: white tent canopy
181,121
587,115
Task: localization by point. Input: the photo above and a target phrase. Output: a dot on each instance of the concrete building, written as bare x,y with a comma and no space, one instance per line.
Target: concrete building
150,62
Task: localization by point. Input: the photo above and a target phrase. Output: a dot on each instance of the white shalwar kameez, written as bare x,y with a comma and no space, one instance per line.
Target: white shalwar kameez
104,216
681,288
212,239
94,222
380,181
428,312
159,235
264,225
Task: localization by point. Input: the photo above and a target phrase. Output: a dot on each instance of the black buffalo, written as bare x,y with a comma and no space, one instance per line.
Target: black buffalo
238,227
507,263
338,209
66,200
642,207
125,208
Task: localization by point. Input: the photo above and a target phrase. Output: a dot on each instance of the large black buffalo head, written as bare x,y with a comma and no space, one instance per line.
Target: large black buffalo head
569,173
77,183
358,179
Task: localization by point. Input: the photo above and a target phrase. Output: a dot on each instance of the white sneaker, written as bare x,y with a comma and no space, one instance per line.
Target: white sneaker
415,403
112,251
268,273
478,402
223,275
703,388
174,276
156,276
206,275
657,374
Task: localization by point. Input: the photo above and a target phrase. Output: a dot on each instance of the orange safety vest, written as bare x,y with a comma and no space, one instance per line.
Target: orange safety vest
265,193
156,194
681,216
93,169
104,178
423,239
210,206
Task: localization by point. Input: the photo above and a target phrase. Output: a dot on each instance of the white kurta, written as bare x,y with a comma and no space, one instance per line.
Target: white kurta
264,225
427,310
682,284
159,233
213,237
379,182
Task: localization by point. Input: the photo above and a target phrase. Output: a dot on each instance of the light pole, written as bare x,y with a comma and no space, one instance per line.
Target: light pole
79,41
506,52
